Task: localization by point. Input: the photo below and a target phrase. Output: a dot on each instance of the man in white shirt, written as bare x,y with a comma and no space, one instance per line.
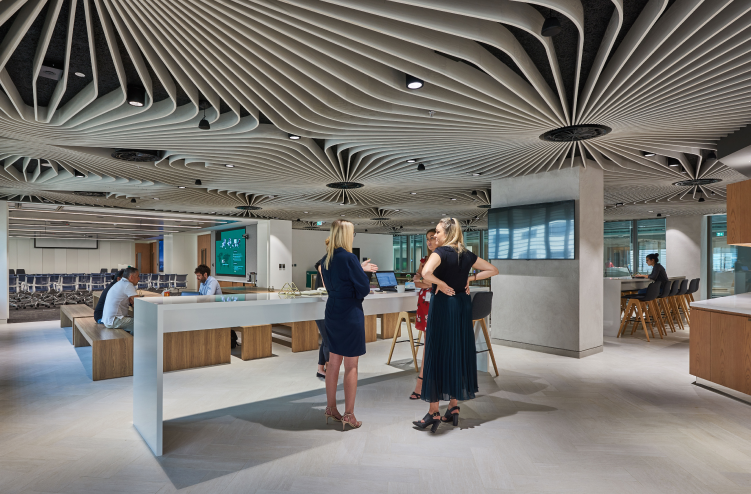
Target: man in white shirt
209,285
120,296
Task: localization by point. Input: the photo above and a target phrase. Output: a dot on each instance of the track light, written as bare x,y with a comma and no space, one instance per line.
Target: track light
711,156
474,192
551,27
420,167
133,200
659,214
78,174
674,163
198,182
294,137
136,95
413,82
648,154
204,124
701,199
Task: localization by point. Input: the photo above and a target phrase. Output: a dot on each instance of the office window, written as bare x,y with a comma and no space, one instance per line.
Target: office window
619,254
417,250
400,253
650,236
728,264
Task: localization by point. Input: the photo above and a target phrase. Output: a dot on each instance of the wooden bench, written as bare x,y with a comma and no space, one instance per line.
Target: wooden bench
256,341
112,349
68,316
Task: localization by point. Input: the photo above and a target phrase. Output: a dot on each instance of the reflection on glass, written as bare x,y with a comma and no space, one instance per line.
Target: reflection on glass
730,265
535,231
650,236
618,249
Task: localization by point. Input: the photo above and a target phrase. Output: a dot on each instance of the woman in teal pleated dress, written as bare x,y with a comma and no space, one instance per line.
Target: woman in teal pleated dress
450,365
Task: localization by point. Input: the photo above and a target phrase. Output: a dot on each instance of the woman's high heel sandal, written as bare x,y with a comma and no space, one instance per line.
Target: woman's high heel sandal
428,419
415,396
348,419
330,415
452,417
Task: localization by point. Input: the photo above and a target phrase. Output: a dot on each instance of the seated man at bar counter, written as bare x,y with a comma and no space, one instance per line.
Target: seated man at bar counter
120,296
99,309
209,285
658,274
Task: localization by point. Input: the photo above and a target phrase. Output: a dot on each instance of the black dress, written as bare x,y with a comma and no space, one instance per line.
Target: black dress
347,286
323,349
450,368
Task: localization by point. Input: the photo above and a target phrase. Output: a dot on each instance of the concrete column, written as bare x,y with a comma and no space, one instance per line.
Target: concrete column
553,306
169,257
683,238
4,307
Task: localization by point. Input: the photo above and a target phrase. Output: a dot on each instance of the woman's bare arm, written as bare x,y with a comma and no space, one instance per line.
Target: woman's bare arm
427,273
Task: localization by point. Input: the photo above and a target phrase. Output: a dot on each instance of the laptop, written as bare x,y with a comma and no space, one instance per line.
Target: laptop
386,281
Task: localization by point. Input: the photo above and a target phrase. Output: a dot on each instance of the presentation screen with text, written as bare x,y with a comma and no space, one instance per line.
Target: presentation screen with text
230,252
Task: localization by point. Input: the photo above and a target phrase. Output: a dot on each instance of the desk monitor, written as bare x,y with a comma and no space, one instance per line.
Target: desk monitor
386,280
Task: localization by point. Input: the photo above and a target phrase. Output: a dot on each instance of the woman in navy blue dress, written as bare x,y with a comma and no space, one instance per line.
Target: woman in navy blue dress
347,285
450,365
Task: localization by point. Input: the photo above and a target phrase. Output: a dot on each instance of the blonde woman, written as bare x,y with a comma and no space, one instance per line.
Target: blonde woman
347,285
450,364
423,304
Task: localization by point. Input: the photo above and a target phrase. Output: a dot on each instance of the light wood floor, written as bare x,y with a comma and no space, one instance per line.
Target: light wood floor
627,420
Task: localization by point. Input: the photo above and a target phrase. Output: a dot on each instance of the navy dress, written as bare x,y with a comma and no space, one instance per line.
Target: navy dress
450,368
347,286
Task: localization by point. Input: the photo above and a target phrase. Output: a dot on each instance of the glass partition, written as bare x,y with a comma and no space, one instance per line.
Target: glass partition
618,249
729,265
401,260
650,236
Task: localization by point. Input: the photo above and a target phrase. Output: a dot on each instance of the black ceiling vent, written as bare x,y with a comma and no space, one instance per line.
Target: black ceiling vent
697,181
247,208
575,133
138,155
484,206
380,218
344,185
88,193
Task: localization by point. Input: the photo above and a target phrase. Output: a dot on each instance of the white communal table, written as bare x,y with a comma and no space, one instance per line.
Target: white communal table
155,316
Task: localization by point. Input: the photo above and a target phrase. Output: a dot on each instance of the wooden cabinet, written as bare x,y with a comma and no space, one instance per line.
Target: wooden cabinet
739,213
720,349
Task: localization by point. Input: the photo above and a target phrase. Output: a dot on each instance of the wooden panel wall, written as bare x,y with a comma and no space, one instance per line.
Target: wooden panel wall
729,347
204,250
739,213
146,259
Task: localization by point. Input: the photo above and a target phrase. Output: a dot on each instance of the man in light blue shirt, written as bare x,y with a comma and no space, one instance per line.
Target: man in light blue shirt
209,285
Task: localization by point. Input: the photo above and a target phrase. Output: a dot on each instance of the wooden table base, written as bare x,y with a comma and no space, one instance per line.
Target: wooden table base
304,336
256,341
187,349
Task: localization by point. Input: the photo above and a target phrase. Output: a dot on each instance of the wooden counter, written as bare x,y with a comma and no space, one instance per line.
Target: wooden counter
720,343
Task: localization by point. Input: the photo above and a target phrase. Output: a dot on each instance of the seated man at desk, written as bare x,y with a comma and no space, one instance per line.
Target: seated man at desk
209,285
658,274
120,296
99,309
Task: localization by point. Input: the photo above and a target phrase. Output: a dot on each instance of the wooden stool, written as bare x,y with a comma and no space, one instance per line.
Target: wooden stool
403,316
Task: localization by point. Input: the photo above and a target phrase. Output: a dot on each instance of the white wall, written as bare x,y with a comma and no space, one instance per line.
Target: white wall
184,256
280,253
683,238
308,247
22,254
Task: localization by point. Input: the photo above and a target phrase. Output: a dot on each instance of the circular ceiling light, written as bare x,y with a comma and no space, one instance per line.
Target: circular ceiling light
294,137
80,74
345,185
551,27
413,82
697,182
575,133
136,155
136,95
247,208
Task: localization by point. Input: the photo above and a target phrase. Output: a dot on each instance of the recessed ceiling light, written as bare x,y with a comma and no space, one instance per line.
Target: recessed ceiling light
230,166
136,95
411,161
413,82
396,210
156,198
453,199
294,137
675,165
413,193
180,187
648,154
619,204
476,174
650,211
341,215
80,74
305,212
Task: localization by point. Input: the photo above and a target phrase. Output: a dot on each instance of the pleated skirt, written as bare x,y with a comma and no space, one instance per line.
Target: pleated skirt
450,368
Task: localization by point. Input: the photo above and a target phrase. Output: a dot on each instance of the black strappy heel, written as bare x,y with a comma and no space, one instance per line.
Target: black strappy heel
428,419
452,417
415,396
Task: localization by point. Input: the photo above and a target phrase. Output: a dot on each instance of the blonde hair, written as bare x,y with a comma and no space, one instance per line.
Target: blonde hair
342,234
454,236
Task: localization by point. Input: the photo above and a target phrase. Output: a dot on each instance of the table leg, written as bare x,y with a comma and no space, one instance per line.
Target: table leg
148,376
388,325
256,341
371,328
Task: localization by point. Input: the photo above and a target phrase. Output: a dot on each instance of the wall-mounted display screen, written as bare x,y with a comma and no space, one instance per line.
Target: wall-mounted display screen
533,231
230,252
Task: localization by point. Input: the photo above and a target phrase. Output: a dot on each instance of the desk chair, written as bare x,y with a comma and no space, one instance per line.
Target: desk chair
642,307
482,305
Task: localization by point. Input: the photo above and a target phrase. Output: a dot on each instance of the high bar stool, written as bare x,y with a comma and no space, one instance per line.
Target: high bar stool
662,306
644,311
693,287
672,306
405,317
680,301
482,305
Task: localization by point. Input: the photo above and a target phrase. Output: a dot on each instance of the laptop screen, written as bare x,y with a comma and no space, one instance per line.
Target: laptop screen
386,278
